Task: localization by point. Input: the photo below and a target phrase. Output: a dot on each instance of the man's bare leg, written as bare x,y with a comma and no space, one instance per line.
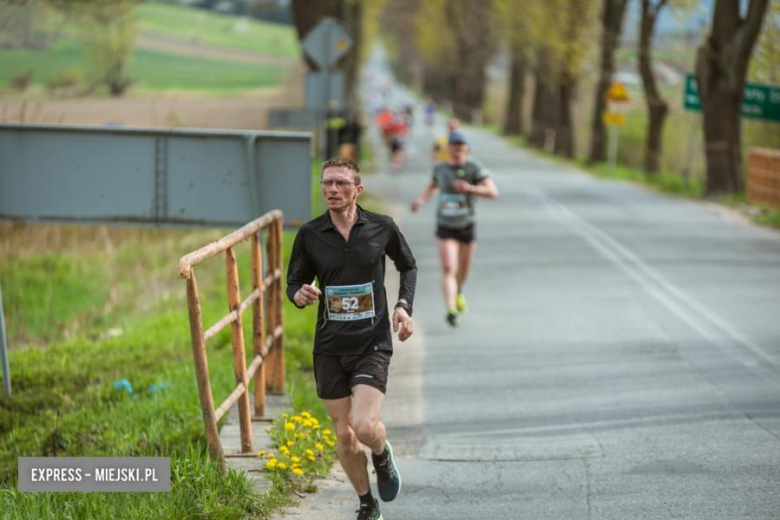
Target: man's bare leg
366,406
351,455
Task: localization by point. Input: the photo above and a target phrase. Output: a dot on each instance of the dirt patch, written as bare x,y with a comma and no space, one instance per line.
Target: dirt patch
247,111
159,43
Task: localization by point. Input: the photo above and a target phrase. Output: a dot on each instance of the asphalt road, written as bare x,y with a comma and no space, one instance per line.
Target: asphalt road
620,358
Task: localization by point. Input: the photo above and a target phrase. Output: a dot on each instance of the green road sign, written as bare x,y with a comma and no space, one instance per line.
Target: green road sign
758,101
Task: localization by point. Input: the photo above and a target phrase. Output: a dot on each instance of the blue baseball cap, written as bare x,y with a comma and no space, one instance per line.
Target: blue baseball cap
458,138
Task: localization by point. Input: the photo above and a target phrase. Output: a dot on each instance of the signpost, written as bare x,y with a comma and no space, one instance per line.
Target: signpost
325,45
618,96
758,101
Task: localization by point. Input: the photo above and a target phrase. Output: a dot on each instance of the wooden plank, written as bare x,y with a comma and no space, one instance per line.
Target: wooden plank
202,371
239,354
188,261
258,323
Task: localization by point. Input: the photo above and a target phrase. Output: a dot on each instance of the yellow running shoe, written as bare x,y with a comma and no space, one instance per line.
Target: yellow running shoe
460,303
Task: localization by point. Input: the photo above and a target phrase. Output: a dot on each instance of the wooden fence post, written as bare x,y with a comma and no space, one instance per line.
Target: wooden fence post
202,371
258,330
239,355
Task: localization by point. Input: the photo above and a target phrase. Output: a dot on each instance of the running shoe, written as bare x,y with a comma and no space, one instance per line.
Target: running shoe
369,511
452,318
388,480
460,303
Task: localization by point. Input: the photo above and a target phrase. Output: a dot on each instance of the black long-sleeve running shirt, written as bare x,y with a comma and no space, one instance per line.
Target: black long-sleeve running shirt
340,266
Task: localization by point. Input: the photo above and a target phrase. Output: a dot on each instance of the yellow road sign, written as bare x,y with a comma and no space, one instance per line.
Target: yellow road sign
613,119
617,93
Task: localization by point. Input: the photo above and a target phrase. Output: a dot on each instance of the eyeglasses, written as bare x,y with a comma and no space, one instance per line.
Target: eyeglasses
339,184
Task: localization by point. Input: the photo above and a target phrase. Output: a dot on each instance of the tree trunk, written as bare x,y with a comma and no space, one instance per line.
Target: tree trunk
721,68
656,105
611,21
353,16
513,119
564,138
545,107
474,47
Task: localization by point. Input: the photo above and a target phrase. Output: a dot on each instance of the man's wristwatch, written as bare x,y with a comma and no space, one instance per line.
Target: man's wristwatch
405,306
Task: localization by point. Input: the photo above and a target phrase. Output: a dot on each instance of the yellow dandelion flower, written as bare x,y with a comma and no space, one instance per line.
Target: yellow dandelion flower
298,471
295,459
307,423
329,443
300,436
297,418
289,426
284,450
271,464
282,466
306,414
311,458
271,455
310,452
290,444
319,447
326,432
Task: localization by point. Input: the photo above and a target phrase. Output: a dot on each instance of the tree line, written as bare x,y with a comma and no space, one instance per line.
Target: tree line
443,48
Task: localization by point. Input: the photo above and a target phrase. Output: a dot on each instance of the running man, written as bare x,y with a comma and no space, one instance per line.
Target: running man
345,250
457,181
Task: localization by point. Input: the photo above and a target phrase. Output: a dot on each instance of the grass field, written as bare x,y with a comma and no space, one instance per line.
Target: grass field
148,70
106,306
157,70
197,25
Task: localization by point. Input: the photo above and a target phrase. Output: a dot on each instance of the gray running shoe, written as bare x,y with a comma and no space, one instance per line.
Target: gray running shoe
388,479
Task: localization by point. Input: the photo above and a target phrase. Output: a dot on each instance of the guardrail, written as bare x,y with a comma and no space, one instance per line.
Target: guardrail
267,338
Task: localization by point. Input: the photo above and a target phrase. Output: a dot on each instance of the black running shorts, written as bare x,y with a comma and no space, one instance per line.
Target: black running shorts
336,375
465,235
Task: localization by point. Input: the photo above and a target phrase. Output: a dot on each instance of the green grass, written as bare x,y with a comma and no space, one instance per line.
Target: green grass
60,57
157,71
152,70
662,181
199,26
64,401
148,70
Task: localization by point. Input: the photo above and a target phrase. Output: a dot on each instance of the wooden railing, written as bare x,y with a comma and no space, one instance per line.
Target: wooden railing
267,366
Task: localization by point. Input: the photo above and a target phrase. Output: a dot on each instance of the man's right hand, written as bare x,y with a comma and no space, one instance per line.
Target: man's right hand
307,295
416,203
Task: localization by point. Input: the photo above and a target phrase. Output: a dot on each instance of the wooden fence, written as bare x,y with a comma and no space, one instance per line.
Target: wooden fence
267,366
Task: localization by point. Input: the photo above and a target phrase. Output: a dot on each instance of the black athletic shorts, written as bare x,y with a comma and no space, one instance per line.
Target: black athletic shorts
396,145
465,235
336,375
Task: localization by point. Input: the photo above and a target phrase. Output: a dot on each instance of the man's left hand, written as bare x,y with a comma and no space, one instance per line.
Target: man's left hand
401,319
462,186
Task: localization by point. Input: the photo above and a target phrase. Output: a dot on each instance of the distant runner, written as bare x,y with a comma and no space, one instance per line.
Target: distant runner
457,181
440,151
345,250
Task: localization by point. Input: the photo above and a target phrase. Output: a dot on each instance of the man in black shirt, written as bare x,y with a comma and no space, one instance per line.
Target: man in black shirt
345,250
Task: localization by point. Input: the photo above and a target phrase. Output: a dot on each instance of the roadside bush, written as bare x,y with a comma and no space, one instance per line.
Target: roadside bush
22,80
65,82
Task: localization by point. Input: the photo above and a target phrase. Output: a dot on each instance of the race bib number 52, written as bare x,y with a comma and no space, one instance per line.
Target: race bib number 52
350,302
